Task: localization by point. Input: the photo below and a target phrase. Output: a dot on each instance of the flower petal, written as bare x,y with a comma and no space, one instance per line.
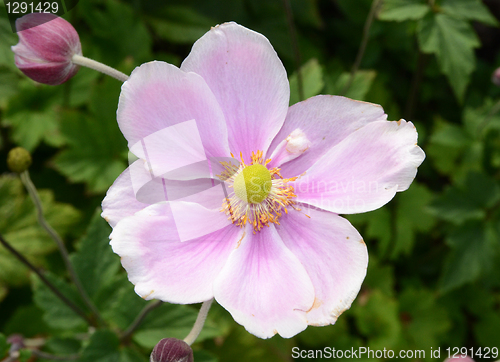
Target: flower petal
334,256
249,81
163,267
264,286
364,171
160,100
325,121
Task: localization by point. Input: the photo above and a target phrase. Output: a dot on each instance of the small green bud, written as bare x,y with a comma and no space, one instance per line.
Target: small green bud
18,160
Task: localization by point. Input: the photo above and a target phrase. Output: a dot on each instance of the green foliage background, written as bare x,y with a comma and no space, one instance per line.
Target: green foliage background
434,273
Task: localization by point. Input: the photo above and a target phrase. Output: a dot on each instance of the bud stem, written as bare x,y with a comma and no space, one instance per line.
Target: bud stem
25,178
92,64
200,321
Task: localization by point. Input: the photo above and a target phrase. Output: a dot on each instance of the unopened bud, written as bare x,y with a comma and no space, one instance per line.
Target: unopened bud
46,47
18,160
172,350
495,77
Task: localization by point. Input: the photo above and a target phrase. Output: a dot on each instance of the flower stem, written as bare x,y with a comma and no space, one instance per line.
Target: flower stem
92,64
25,178
200,321
140,317
364,43
42,277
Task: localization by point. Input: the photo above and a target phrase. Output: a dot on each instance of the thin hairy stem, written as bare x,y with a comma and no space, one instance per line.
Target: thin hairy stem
92,64
42,277
200,321
364,43
295,46
140,317
25,178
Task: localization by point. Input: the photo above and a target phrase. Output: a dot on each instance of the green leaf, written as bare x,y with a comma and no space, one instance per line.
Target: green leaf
411,217
180,24
473,251
94,262
469,10
458,204
33,117
103,347
377,319
131,355
4,347
26,320
452,41
96,146
57,314
487,331
24,355
312,81
401,10
19,226
171,320
359,87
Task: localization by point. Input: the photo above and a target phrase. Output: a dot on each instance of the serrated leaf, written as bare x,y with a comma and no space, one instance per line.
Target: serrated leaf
19,226
452,40
469,10
312,81
103,347
94,262
57,314
458,204
401,10
473,251
96,146
171,320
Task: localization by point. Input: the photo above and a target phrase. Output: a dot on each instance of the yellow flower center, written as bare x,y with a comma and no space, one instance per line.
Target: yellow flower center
259,196
253,184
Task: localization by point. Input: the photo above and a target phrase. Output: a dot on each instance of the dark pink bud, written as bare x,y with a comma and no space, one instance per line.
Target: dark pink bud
495,78
46,46
172,350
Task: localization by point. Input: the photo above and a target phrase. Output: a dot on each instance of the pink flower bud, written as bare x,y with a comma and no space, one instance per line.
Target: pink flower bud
46,46
172,350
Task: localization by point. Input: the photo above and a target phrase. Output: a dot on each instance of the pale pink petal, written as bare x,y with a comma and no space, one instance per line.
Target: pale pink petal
461,358
162,266
334,256
364,171
249,81
264,286
128,193
325,121
160,100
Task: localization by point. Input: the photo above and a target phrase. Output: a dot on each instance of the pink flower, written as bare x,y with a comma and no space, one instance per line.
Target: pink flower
462,358
264,236
46,46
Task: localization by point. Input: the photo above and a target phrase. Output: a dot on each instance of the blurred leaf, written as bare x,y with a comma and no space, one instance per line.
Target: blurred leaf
96,146
469,10
377,319
56,313
452,41
473,251
102,347
411,217
26,320
7,39
458,204
379,226
19,226
451,135
24,355
487,331
426,320
180,24
8,86
94,272
33,117
401,10
172,320
131,355
4,347
312,81
359,87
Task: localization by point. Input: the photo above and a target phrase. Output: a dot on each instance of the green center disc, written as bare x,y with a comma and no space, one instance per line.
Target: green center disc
253,184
